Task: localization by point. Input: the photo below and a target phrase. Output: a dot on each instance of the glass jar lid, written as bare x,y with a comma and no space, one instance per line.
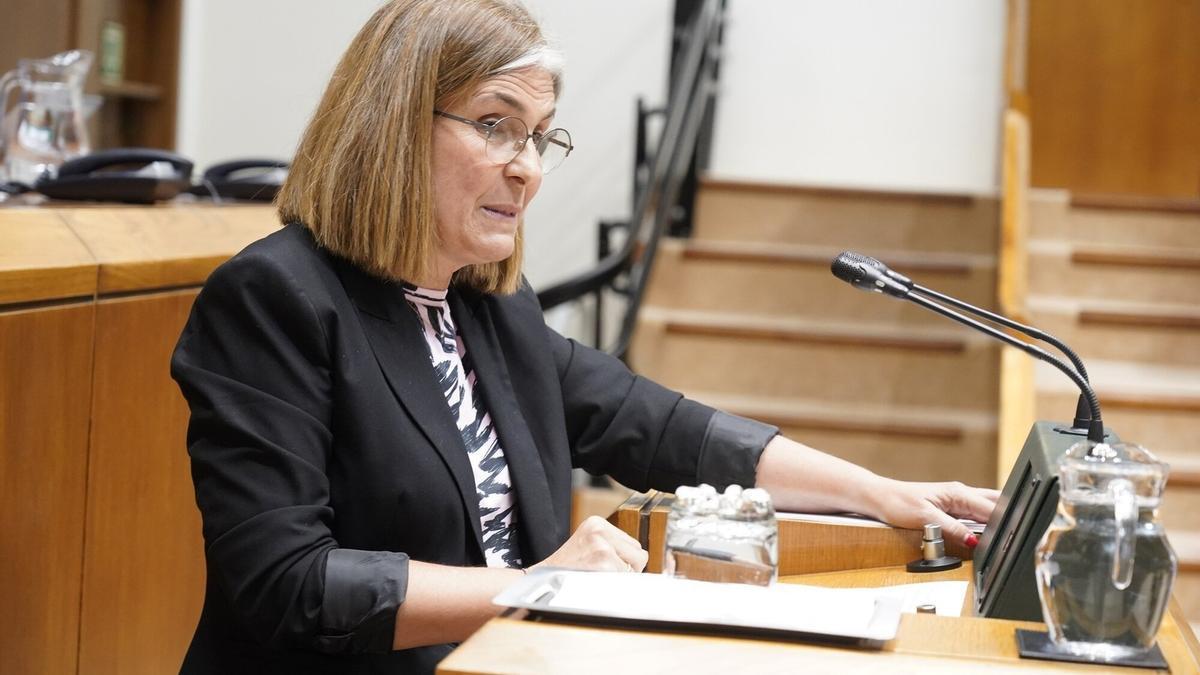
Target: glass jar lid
1088,468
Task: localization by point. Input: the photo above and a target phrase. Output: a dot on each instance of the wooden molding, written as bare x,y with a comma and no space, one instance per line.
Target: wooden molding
1156,402
1012,286
1017,410
747,252
1189,478
1140,319
629,516
730,185
1016,38
928,430
784,333
1157,259
1135,203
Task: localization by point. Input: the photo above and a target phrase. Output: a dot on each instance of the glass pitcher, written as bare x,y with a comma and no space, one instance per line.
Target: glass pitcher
1104,566
45,126
730,537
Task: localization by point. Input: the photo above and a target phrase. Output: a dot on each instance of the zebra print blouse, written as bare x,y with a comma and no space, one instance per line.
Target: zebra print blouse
454,372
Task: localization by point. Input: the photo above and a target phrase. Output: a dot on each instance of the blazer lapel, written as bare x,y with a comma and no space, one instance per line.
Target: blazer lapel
537,522
395,336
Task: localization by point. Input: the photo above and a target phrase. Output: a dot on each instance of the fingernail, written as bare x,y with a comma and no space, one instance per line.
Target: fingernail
972,540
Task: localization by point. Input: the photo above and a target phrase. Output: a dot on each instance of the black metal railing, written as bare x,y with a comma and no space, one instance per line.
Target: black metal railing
660,179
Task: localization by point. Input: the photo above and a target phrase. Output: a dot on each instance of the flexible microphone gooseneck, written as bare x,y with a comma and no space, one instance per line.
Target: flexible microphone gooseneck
856,270
1082,409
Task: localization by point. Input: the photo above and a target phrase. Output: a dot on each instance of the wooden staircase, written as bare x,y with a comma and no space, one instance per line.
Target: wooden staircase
1122,287
746,316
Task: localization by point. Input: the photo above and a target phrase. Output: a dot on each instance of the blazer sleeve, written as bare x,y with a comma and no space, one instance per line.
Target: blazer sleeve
645,435
253,363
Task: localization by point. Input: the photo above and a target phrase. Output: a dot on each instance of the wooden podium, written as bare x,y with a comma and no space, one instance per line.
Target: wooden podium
817,553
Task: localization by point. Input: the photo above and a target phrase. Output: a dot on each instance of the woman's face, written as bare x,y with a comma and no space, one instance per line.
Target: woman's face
478,205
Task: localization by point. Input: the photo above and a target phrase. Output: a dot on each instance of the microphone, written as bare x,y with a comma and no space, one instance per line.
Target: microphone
1082,412
869,274
856,270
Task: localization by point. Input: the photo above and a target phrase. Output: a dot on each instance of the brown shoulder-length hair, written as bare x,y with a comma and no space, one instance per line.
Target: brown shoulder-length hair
361,179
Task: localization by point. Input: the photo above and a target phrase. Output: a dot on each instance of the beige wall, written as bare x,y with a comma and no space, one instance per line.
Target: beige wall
863,93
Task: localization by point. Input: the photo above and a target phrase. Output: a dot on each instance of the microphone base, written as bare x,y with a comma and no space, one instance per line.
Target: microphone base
946,562
1072,431
1083,432
1005,584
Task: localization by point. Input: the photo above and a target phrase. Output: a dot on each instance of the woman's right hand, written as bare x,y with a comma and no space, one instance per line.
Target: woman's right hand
598,546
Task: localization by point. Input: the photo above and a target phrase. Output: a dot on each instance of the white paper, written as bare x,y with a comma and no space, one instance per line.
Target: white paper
871,613
863,613
946,596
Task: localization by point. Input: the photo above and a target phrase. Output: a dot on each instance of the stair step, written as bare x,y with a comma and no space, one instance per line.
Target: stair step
1051,216
840,361
1151,332
1143,274
1163,431
1181,502
1138,203
1147,256
794,280
764,252
1155,405
1187,549
901,441
1130,381
845,219
800,330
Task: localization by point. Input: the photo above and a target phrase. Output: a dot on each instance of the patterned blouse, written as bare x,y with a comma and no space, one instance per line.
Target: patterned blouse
456,375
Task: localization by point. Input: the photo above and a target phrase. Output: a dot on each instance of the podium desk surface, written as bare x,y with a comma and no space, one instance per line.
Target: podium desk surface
517,642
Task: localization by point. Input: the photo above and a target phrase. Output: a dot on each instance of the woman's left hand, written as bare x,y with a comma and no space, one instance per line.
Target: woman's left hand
912,505
800,478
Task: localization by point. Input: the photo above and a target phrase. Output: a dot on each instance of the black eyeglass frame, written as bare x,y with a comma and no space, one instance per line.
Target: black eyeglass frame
486,128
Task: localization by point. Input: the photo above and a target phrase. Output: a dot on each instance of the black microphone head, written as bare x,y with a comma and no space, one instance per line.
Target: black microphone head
856,270
882,267
847,266
863,259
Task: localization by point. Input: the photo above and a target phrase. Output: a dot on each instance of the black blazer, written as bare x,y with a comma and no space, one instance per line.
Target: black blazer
324,455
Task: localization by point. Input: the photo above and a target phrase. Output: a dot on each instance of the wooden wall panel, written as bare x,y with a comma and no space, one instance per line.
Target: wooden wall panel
1114,90
144,558
34,29
45,392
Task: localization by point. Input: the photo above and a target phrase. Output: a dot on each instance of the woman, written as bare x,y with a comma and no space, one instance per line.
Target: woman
383,428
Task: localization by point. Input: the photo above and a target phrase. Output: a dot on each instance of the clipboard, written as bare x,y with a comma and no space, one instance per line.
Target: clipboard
657,602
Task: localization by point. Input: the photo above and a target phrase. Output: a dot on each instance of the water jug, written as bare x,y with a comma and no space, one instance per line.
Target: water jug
1104,566
42,113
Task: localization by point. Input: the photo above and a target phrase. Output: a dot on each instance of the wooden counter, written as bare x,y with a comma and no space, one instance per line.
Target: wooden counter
58,253
520,643
101,560
42,259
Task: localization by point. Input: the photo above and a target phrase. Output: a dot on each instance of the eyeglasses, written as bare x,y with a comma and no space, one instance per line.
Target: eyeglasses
507,136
